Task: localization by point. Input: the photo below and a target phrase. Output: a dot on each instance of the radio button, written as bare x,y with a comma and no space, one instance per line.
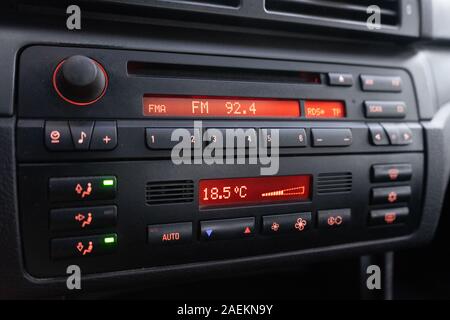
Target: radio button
79,219
81,247
391,195
81,133
292,138
287,137
381,83
227,229
385,109
295,223
340,79
331,137
82,188
398,133
378,135
57,136
243,137
168,234
405,135
161,138
104,136
388,216
334,218
391,172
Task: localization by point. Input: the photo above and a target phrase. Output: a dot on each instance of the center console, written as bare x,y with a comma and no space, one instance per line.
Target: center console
99,187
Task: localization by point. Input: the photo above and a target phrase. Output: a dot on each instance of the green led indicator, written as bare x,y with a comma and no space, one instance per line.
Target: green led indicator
109,240
108,182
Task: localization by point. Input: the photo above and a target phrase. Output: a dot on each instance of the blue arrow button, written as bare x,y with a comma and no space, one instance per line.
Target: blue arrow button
209,232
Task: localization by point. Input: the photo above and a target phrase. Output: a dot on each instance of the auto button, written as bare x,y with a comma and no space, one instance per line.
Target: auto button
168,234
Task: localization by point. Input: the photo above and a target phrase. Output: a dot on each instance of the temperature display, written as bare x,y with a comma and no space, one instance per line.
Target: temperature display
324,109
183,106
250,191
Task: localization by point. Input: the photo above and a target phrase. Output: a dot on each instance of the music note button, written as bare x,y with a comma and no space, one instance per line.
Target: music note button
81,133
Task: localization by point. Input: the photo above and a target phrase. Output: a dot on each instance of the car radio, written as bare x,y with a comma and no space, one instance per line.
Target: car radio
281,156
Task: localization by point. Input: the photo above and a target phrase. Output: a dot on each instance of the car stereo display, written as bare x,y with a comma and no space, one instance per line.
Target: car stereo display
196,106
316,109
248,191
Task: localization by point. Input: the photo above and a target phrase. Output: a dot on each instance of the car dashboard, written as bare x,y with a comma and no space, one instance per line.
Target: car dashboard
167,144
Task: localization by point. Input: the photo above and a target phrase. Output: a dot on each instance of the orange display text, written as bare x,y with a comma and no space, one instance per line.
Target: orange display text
192,106
324,109
251,191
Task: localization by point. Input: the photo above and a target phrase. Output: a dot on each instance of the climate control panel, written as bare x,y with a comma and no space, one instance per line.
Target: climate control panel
152,215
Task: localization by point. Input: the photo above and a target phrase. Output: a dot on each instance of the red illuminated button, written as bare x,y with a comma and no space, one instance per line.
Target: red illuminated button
81,133
104,136
332,219
295,223
80,219
391,195
389,216
83,247
57,136
391,172
227,229
82,188
168,234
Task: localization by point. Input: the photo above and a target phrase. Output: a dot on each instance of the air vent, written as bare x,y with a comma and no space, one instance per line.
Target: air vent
338,182
340,10
164,192
222,3
275,15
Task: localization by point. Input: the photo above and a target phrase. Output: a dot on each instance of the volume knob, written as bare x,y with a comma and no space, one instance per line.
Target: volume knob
80,80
